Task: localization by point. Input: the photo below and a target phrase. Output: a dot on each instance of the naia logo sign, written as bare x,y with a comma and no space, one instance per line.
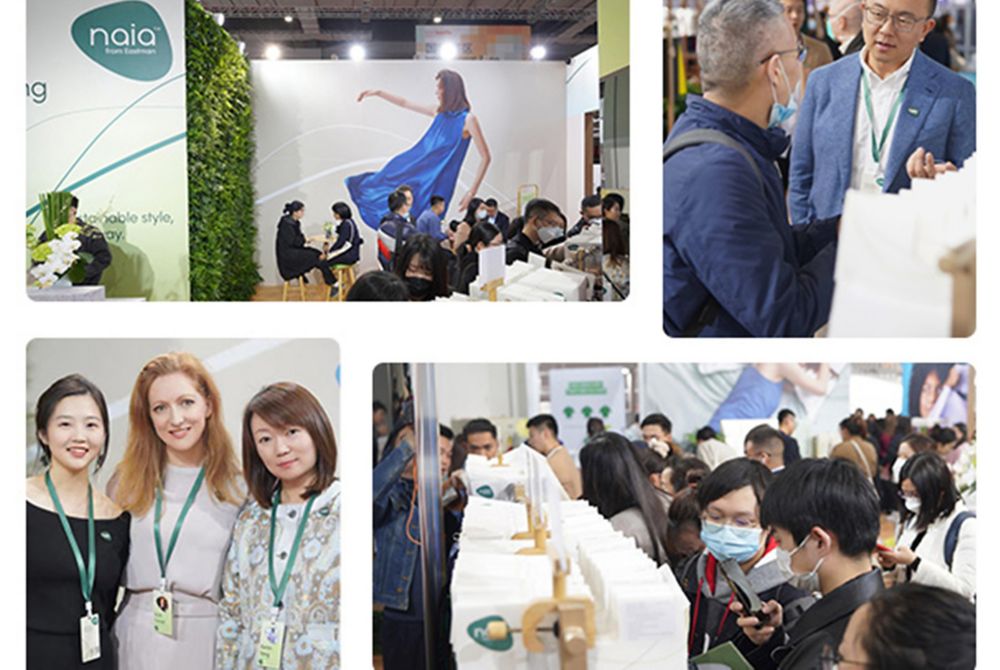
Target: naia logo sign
128,38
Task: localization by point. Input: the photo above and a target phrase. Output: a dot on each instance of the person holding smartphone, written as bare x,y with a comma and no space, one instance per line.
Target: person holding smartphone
730,499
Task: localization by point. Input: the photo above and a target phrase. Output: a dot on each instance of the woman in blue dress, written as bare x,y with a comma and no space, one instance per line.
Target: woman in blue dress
432,165
757,392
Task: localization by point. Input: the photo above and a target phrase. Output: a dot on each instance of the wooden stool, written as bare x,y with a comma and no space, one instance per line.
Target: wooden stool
302,289
345,280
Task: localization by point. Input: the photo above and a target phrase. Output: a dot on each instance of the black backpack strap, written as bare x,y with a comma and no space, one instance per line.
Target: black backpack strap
951,539
694,138
710,310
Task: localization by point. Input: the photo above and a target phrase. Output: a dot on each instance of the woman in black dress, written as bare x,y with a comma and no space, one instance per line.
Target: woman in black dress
71,581
294,258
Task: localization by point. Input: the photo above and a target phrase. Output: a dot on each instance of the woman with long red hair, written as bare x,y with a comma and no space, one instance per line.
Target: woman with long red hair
180,480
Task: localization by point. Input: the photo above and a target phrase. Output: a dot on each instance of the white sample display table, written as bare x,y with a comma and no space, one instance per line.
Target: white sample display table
66,293
641,614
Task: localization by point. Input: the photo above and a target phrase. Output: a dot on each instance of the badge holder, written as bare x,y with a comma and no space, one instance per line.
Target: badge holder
272,638
574,626
163,610
90,635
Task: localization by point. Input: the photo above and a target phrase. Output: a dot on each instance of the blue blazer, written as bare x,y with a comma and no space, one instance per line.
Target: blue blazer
938,113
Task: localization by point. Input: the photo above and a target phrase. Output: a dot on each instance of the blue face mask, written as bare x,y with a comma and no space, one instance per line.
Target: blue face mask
781,114
724,541
829,30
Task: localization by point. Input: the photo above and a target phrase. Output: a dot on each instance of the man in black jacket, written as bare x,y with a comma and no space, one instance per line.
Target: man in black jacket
786,426
730,502
543,223
825,516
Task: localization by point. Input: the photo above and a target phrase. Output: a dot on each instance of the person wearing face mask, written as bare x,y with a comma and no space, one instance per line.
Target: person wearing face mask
817,52
879,120
496,217
424,267
730,502
937,543
543,225
911,444
824,516
483,236
843,26
590,215
732,266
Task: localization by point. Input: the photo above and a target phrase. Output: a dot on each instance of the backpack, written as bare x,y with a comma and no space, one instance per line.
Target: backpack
951,538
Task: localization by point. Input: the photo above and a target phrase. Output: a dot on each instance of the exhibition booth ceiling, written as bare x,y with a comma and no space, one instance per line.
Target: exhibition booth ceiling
389,29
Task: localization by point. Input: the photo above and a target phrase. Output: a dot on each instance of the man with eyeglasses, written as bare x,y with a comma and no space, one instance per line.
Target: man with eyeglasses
879,121
732,264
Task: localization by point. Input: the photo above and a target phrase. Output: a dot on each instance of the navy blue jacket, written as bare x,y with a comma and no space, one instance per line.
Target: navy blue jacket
726,238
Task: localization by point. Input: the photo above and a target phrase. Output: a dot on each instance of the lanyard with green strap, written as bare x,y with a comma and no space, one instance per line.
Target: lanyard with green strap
278,589
164,560
88,572
877,145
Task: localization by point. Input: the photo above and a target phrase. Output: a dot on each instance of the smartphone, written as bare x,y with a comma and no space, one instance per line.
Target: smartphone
741,588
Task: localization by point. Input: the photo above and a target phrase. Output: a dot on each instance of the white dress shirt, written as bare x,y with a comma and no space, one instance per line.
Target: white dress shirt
865,170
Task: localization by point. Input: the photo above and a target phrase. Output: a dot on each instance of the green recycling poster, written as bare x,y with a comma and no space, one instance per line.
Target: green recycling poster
581,394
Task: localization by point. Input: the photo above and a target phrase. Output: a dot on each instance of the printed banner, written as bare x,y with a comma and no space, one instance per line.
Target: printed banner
580,394
106,120
475,42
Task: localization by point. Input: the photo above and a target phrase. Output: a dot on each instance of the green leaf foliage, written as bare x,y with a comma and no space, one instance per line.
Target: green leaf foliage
223,232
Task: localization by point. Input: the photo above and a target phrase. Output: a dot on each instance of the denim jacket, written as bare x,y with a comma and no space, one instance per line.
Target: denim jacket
395,556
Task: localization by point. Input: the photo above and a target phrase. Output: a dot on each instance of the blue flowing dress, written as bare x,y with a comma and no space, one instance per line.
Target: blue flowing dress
753,396
430,167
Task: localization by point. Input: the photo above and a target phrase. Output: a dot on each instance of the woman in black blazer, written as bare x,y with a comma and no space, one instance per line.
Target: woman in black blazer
295,259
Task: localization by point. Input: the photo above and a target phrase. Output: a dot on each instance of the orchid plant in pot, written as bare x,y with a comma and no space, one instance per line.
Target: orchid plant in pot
55,255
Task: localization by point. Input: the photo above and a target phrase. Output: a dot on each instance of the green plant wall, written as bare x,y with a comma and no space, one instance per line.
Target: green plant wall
223,234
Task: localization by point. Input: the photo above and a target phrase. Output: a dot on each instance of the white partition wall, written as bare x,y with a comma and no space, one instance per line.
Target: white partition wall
106,120
312,134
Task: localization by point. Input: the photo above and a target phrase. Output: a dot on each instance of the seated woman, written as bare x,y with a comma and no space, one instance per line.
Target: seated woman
346,249
424,268
730,500
294,258
937,545
616,484
483,235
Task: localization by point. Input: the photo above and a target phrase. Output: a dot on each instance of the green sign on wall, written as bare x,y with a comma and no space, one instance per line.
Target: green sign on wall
128,38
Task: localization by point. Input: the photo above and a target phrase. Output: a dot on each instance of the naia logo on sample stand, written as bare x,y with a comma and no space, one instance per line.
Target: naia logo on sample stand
129,38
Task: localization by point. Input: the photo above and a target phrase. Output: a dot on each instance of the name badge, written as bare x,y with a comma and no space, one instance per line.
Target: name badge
272,636
163,612
90,637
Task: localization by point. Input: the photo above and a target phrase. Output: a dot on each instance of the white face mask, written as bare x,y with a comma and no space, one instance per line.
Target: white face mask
549,234
808,581
596,221
912,504
482,214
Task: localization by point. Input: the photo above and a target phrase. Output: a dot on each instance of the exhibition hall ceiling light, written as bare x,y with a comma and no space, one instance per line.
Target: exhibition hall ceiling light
288,18
220,18
243,47
437,19
448,51
272,52
538,52
357,52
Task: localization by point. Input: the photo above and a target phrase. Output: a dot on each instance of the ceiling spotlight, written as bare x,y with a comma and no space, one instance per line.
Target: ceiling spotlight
357,52
243,47
538,52
437,19
220,18
272,52
289,18
448,51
